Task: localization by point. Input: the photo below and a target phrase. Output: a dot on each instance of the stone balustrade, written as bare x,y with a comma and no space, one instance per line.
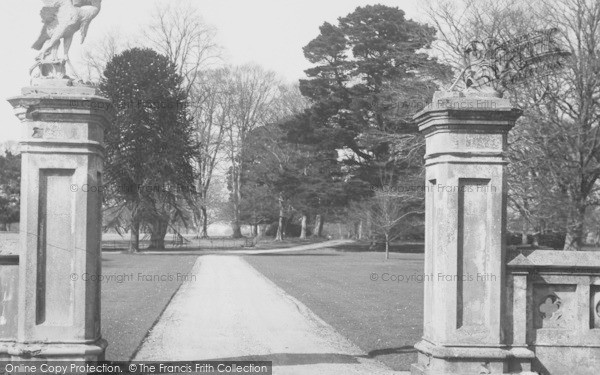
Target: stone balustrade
553,308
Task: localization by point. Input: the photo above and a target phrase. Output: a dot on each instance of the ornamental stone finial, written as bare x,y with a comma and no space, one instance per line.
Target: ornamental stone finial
490,66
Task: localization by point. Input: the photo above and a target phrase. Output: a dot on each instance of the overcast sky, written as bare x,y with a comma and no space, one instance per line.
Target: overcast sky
268,32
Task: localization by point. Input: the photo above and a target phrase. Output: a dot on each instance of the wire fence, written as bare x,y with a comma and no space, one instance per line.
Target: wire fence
10,242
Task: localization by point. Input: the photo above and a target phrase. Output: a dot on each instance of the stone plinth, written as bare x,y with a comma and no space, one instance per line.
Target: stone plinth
464,247
62,160
554,307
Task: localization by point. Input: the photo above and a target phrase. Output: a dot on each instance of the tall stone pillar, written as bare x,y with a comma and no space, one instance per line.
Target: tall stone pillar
466,138
62,159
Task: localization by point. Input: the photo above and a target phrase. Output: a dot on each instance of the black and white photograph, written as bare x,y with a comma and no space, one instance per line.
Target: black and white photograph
286,187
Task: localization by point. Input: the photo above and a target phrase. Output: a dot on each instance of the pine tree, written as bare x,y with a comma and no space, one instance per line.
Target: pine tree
370,76
150,145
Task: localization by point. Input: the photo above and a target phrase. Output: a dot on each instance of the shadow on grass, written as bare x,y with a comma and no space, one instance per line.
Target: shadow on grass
401,350
166,253
358,247
293,359
294,255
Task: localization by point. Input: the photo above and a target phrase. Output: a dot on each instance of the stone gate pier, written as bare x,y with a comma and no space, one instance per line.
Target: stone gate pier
487,311
57,314
464,229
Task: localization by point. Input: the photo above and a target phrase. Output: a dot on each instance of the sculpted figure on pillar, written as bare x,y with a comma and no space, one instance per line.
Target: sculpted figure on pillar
490,65
62,19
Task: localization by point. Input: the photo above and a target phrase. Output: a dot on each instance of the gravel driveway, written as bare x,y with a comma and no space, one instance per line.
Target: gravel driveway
230,311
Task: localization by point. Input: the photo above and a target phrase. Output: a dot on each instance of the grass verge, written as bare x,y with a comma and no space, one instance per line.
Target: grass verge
383,318
130,307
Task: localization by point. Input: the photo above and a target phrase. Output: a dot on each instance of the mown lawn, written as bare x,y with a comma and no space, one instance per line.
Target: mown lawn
383,318
130,307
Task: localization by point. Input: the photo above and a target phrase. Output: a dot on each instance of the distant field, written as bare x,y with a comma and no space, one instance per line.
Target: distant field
383,318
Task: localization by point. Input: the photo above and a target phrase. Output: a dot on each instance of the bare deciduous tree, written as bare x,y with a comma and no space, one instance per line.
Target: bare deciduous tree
179,32
567,112
389,213
98,54
555,148
252,91
289,101
460,22
211,105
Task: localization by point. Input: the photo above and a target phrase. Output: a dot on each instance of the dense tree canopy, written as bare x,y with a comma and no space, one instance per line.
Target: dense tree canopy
283,180
10,185
150,145
369,70
370,75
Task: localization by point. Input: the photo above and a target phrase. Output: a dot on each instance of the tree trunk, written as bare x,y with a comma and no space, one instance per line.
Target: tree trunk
286,223
318,226
134,238
387,246
279,236
360,230
574,237
321,226
204,231
303,226
158,233
237,229
196,217
340,230
237,200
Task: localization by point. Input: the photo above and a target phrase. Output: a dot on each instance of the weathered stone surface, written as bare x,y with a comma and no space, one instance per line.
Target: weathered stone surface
9,287
555,259
9,244
61,19
557,304
536,310
62,151
464,247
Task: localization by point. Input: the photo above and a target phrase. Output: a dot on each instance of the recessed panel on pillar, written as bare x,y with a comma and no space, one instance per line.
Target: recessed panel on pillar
430,215
465,165
472,252
56,222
